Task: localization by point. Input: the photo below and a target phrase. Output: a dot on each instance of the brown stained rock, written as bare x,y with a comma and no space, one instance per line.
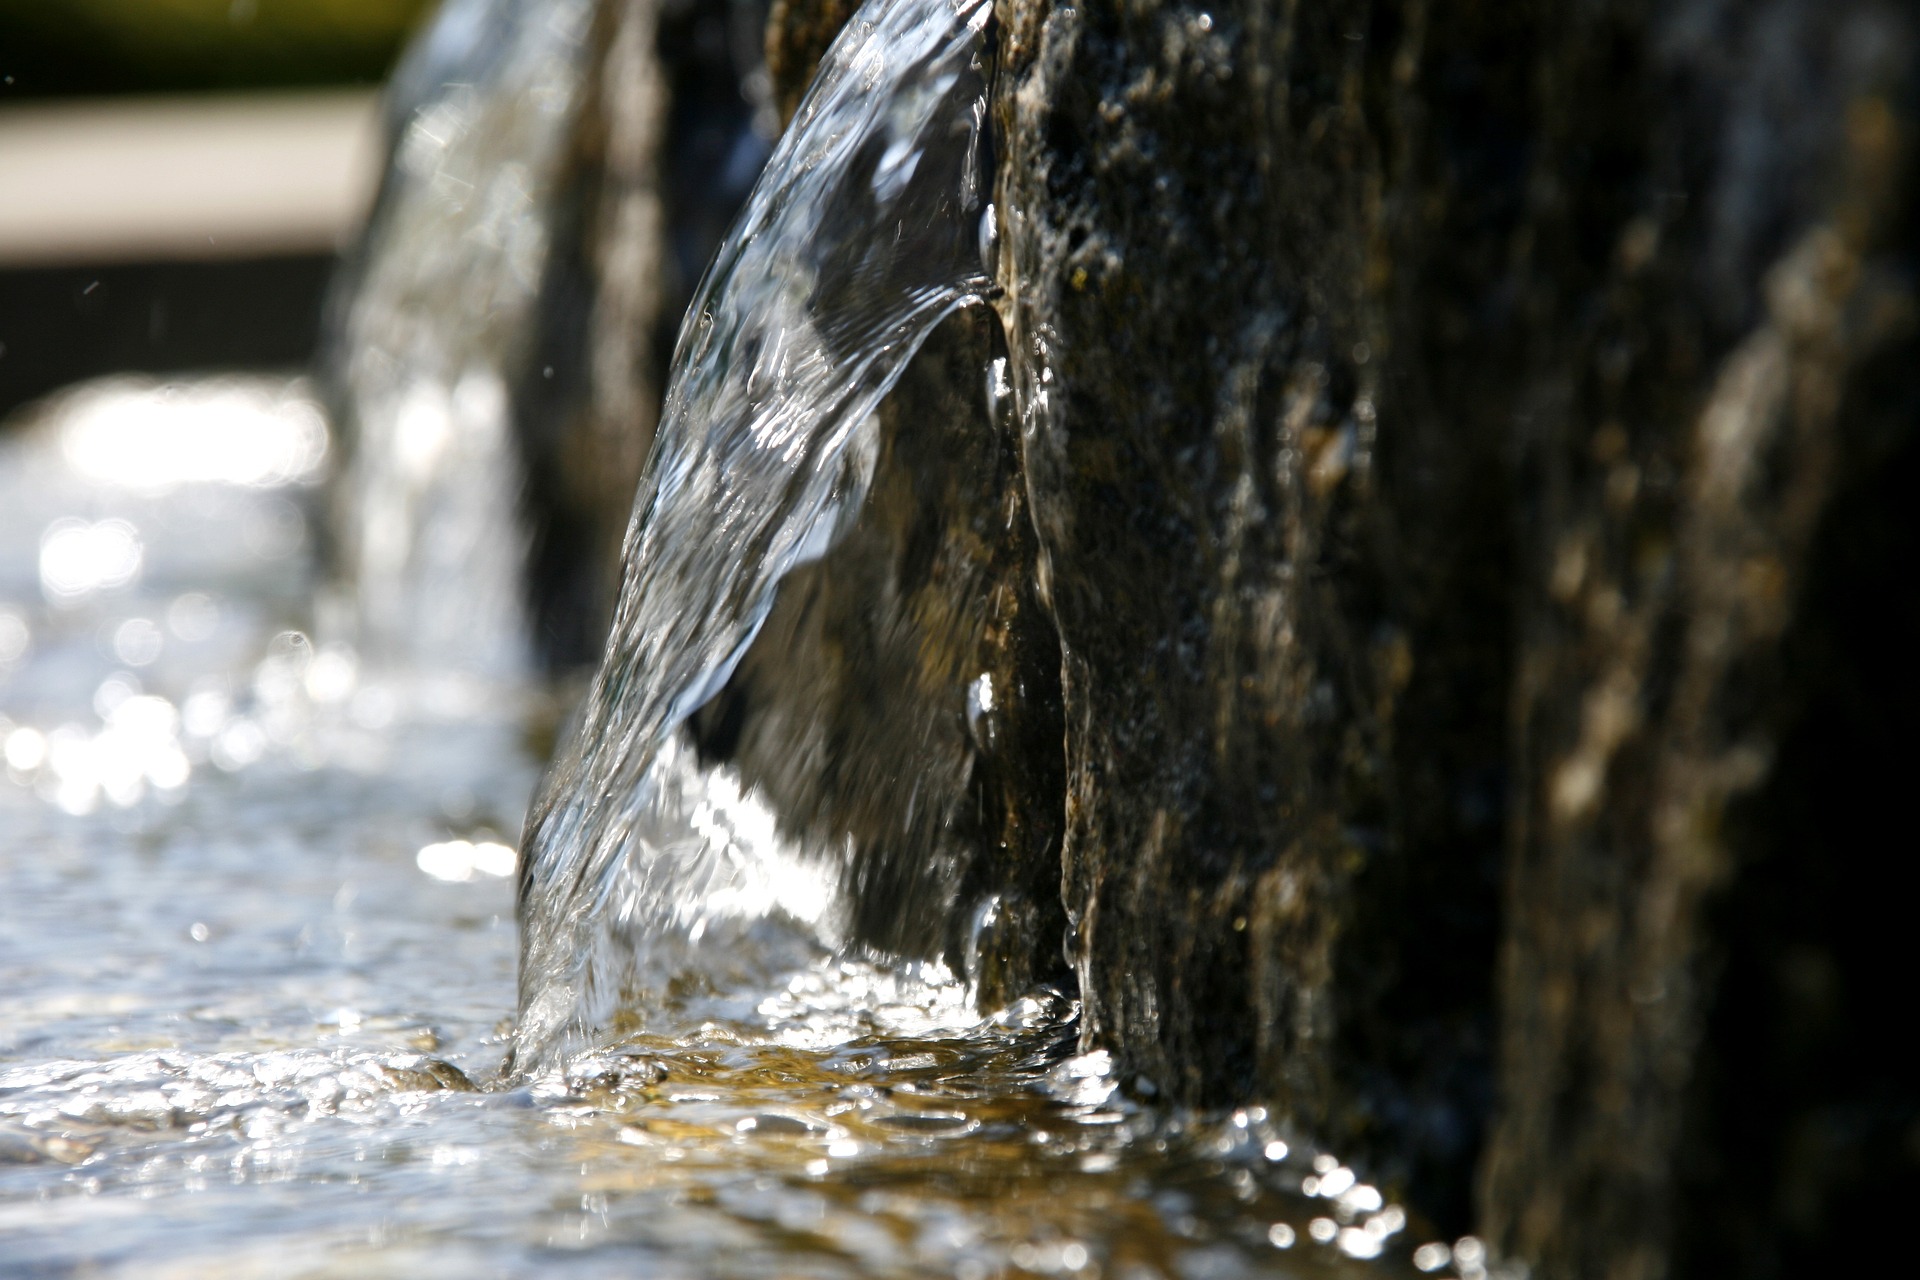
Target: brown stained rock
1700,401
1262,472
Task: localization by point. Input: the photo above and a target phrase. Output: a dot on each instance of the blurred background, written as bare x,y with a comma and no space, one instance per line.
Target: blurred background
67,48
176,177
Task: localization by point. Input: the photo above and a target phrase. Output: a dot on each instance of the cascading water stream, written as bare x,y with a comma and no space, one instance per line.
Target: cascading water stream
432,324
860,237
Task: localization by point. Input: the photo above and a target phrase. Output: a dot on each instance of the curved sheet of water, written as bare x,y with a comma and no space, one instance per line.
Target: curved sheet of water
860,237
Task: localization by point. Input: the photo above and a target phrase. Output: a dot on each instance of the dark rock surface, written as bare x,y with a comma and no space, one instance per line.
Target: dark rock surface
1445,425
1268,468
674,127
1463,447
1698,399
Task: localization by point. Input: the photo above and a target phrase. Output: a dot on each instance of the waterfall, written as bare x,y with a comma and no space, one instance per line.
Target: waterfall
432,324
642,867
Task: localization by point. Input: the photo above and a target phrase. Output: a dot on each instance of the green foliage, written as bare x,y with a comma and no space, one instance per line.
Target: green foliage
95,46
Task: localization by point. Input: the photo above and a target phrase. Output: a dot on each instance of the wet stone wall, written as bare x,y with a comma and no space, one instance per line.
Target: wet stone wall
1460,445
1262,473
1437,419
1400,601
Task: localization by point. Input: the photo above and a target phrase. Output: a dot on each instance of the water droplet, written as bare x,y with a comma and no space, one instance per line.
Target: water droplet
137,642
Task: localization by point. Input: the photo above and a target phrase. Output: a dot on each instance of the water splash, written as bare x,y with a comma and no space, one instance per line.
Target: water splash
860,237
432,324
239,1017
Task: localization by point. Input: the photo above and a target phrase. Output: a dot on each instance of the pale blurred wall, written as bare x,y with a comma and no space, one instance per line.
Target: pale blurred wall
176,177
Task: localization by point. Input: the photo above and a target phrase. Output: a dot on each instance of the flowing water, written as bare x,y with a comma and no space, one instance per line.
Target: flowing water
433,321
258,942
644,870
257,964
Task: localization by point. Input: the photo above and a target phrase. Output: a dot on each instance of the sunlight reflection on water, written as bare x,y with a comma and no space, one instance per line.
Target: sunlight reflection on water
257,945
144,435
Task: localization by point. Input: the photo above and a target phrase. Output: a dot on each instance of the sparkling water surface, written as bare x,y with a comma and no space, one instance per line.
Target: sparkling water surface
257,954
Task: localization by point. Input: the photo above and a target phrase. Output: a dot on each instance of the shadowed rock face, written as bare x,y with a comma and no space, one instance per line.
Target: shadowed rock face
673,128
1253,307
1459,442
1435,420
1693,415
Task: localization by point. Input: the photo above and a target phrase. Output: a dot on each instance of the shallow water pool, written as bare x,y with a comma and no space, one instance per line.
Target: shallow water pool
257,954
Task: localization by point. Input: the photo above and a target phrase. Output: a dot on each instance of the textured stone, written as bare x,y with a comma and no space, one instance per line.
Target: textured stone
1261,472
1431,413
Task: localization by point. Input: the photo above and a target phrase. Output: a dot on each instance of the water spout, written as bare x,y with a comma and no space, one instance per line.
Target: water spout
860,237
